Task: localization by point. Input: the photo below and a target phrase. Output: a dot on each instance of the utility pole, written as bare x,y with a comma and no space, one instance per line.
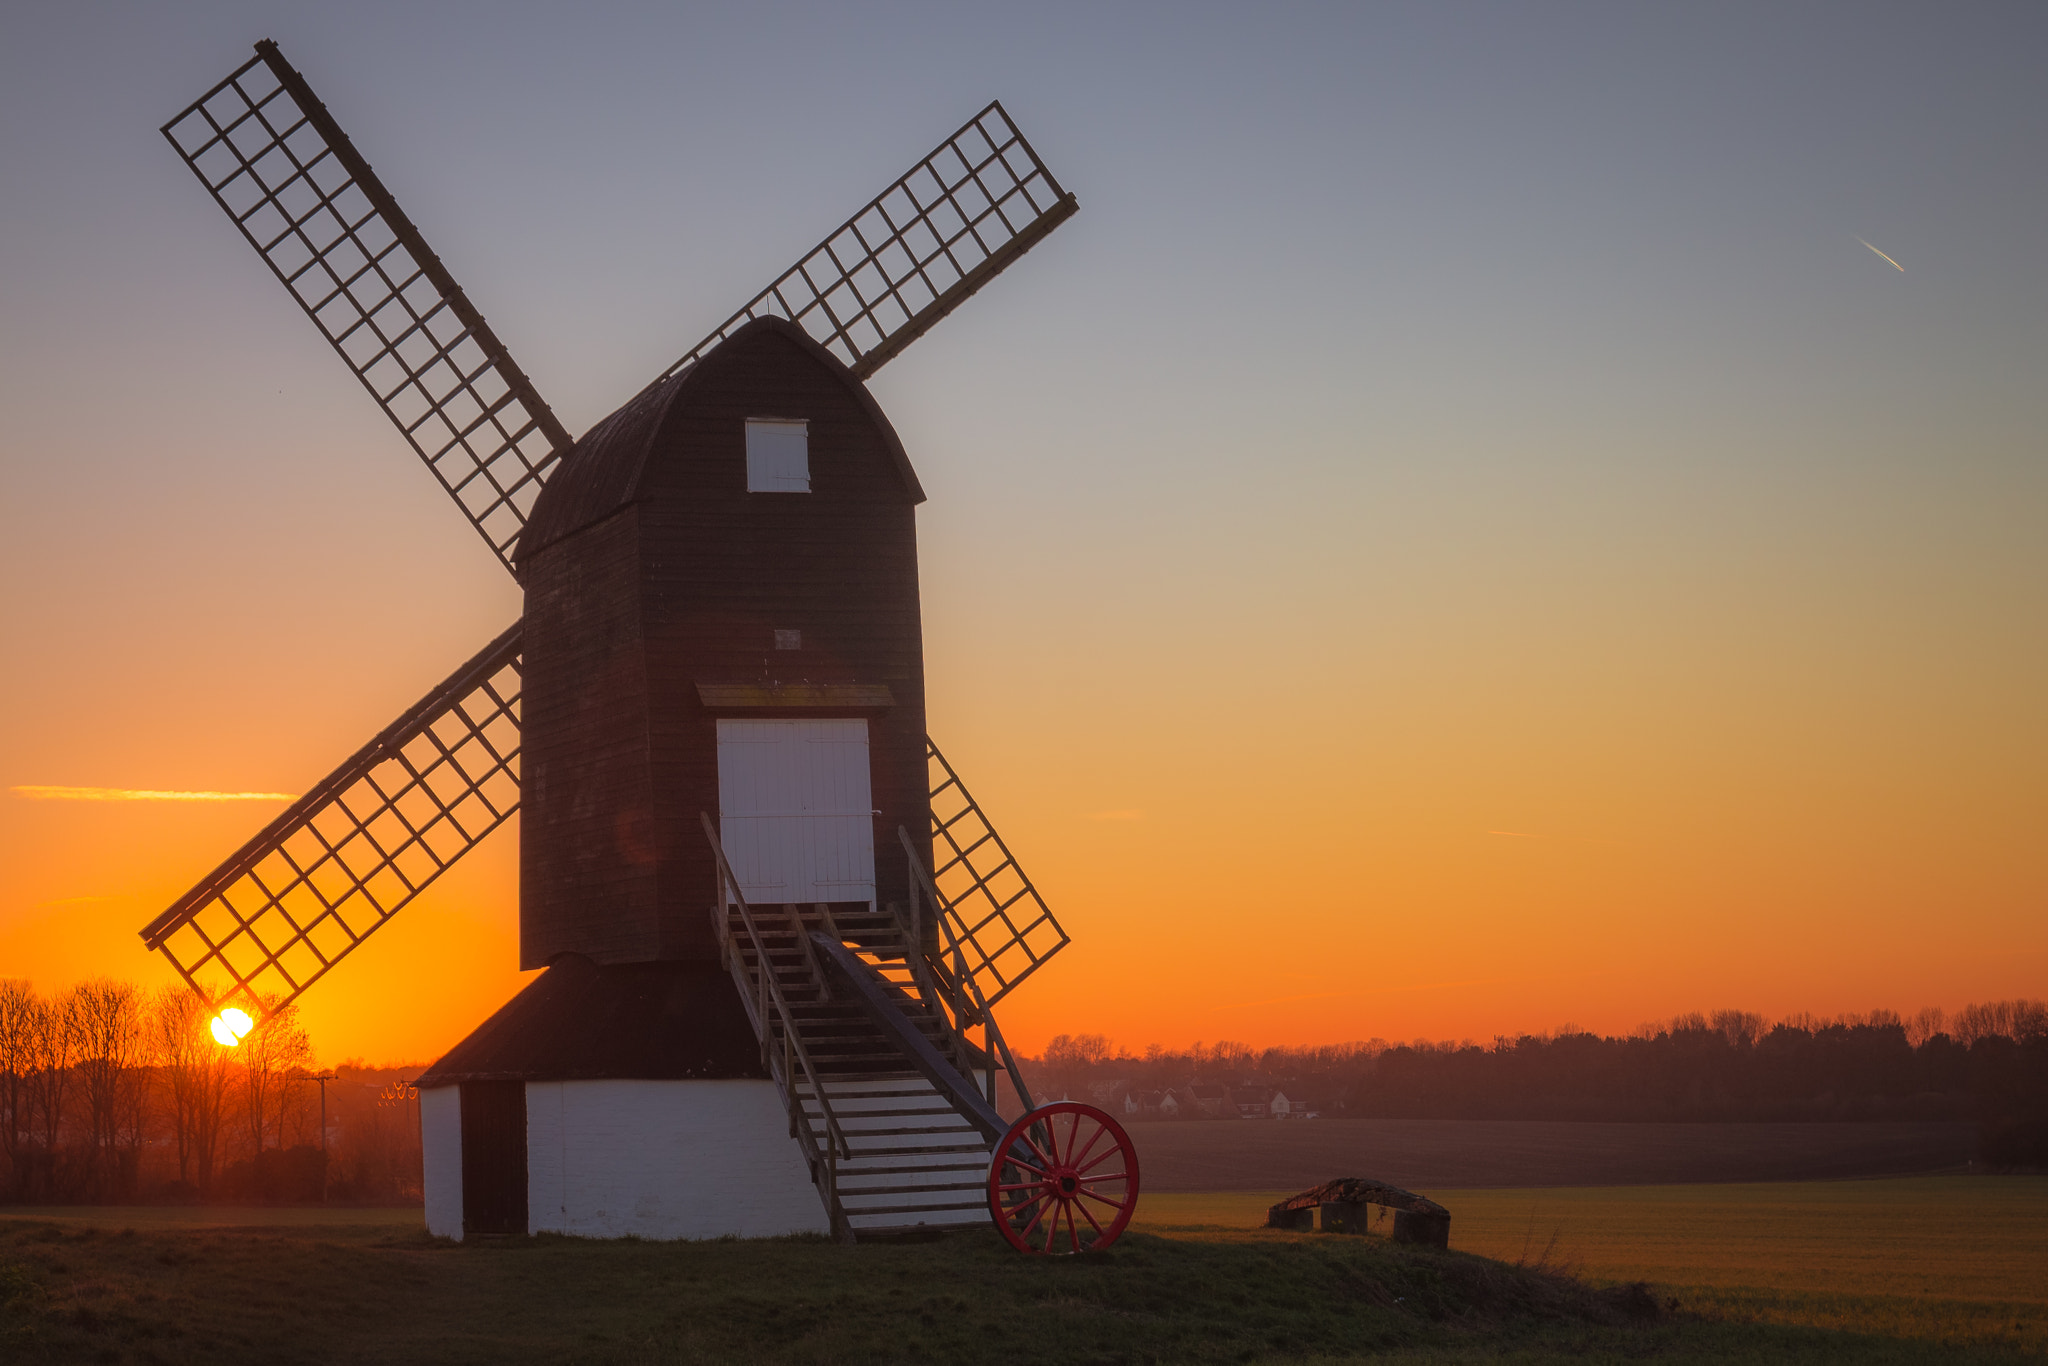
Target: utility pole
323,1078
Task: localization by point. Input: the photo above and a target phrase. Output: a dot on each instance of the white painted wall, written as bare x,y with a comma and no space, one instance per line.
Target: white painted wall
796,810
665,1159
441,1149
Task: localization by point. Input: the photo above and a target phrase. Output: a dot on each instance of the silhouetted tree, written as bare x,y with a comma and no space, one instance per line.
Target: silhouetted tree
195,1074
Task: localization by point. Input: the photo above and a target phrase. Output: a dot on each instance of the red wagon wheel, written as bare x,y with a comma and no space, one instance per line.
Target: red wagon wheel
1064,1180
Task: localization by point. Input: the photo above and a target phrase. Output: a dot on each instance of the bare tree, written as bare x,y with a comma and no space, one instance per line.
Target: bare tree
53,1046
2016,1020
195,1071
107,1020
17,1013
270,1053
1742,1028
1068,1059
1925,1025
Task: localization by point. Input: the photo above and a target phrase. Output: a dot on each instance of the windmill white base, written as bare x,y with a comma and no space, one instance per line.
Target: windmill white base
642,1100
665,1160
645,1159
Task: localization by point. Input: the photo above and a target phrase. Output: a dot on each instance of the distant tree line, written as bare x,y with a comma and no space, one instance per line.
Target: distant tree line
110,1094
1986,1063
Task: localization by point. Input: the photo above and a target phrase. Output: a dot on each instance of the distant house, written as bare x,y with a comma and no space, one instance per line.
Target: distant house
1252,1102
1179,1103
1143,1104
1301,1105
1211,1099
1108,1095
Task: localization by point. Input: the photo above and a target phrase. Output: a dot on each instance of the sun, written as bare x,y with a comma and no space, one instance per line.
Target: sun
230,1026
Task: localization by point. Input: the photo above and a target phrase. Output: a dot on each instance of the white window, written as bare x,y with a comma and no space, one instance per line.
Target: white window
778,455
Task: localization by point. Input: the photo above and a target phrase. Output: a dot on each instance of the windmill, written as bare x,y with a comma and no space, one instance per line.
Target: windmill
772,918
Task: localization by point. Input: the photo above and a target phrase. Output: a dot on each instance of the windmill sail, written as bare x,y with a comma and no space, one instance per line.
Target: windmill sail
918,250
1001,928
277,162
367,839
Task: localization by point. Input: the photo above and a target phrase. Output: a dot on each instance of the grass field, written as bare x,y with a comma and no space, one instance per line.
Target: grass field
1881,1271
1424,1154
1940,1259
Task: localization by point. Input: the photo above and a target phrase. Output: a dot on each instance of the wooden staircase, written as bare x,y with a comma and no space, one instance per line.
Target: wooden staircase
890,1152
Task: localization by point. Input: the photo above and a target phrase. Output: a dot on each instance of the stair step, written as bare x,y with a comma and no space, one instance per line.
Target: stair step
846,1190
906,1144
917,1209
848,1172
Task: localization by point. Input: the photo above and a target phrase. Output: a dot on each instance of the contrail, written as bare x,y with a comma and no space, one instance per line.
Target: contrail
1895,265
143,794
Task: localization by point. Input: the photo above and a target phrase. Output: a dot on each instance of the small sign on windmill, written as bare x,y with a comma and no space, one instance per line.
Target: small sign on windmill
774,922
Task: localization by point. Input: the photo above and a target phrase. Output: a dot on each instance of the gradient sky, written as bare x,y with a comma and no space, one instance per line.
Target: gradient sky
1457,536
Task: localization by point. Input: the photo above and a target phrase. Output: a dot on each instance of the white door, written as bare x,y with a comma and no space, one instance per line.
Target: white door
795,812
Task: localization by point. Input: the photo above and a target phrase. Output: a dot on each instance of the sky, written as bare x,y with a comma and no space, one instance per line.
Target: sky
1459,535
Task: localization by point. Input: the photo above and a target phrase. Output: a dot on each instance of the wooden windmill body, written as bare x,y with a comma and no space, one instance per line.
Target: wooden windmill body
697,620
772,920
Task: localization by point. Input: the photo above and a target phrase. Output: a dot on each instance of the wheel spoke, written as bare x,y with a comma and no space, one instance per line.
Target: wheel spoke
1100,1130
1089,1217
1014,1161
1073,1233
1050,1162
1112,1152
1023,1186
1113,1204
1107,1176
1044,1203
1017,1209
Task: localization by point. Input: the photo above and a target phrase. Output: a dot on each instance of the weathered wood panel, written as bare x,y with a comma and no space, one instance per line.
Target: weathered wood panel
587,866
719,572
493,1159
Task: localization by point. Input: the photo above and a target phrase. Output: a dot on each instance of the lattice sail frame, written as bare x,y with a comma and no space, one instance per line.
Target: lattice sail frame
274,159
347,856
1000,925
343,859
920,248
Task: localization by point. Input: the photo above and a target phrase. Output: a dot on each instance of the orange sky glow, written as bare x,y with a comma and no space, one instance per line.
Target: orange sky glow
1456,537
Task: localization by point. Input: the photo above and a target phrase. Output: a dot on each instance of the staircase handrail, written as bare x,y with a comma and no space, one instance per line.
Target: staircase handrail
871,993
770,990
996,1046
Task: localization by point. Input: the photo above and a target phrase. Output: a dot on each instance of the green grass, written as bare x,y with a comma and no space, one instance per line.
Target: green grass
409,1218
1193,1282
1945,1259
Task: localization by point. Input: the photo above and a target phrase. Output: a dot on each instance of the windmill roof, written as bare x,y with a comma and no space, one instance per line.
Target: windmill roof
581,1020
604,470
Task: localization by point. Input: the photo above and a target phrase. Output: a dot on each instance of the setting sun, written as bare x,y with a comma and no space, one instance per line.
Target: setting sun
230,1026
